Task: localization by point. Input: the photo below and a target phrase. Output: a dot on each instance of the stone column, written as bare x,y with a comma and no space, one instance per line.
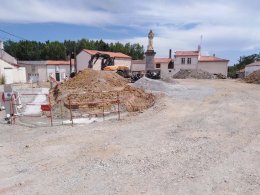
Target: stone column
149,54
149,58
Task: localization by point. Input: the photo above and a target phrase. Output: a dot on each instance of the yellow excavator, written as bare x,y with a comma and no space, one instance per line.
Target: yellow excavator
121,70
107,64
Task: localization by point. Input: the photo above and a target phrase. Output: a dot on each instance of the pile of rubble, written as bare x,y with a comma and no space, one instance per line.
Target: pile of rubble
253,77
92,90
196,74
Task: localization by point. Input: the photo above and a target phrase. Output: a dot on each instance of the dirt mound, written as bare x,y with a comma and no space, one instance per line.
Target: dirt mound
196,74
91,88
253,77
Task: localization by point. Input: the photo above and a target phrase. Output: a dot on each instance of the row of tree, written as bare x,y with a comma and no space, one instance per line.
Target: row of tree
242,62
54,50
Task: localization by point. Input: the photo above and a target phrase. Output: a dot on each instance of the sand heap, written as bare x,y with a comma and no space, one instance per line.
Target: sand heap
253,77
96,86
196,74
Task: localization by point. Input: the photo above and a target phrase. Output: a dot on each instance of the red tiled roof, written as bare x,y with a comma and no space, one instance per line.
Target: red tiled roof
59,62
162,60
111,54
186,53
256,63
211,59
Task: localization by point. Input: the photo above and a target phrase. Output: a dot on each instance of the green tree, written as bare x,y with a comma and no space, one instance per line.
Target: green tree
242,62
54,50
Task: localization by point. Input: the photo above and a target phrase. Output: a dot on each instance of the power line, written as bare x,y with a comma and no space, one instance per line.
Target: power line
19,37
4,38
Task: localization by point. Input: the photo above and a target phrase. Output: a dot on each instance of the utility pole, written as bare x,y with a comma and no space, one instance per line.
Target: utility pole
71,56
75,61
199,50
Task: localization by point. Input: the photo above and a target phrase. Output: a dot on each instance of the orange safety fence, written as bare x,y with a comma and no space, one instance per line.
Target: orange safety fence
115,101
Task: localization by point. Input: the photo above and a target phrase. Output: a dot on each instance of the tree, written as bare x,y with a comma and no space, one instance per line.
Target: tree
54,50
242,62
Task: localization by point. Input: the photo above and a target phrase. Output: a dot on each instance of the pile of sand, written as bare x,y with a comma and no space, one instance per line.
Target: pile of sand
196,74
253,77
96,86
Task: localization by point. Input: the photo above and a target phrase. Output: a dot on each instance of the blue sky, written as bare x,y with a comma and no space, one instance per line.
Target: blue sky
229,28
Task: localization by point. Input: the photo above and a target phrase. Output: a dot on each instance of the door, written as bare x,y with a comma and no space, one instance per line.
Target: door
34,78
57,76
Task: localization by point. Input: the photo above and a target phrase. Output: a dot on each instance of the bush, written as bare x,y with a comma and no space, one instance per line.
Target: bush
2,80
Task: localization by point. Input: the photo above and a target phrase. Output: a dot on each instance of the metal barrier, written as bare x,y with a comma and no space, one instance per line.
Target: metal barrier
103,104
116,101
44,106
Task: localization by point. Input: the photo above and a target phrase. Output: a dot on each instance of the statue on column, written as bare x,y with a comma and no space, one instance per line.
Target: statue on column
150,37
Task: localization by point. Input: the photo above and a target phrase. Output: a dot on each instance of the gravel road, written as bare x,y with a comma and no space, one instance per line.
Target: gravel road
206,145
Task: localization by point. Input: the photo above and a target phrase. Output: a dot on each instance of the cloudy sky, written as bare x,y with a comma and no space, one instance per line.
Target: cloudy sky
229,28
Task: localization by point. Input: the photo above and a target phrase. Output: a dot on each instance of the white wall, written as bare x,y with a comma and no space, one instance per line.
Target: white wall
7,57
63,70
19,75
4,65
11,73
33,69
123,62
9,77
251,69
82,60
214,67
194,60
138,67
167,73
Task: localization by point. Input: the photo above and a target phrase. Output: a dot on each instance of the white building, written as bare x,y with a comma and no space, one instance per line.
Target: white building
84,57
9,69
195,60
185,60
165,65
39,71
250,68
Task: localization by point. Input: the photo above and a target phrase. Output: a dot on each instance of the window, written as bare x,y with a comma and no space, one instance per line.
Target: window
189,61
171,65
158,65
182,60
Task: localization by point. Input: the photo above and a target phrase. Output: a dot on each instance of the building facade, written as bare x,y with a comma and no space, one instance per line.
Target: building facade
250,68
40,71
184,60
85,55
9,69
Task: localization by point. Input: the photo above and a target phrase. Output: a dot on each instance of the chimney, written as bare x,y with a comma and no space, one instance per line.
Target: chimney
214,55
170,53
1,45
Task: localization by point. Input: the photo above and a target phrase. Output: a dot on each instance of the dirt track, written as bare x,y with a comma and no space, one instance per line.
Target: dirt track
182,145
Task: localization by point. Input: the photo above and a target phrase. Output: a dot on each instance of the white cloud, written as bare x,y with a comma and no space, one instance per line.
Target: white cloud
225,25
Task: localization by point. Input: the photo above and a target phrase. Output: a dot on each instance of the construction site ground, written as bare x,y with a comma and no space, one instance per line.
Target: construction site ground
203,139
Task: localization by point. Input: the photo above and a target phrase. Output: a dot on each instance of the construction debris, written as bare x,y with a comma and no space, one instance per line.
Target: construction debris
253,77
197,74
92,90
